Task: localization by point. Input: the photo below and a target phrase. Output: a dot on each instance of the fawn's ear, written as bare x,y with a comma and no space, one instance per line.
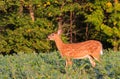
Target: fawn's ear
59,32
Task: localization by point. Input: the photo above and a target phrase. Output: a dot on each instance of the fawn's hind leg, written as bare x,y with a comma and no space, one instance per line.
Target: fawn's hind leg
92,61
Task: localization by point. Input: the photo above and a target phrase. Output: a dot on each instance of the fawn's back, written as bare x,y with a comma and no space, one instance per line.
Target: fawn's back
80,50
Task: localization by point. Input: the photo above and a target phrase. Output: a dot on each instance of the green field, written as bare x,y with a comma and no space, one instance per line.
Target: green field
52,66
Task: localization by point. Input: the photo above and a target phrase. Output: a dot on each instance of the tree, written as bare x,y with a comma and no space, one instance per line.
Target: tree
20,32
25,24
105,16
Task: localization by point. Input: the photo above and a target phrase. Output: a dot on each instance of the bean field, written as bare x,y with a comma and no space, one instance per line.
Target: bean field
52,66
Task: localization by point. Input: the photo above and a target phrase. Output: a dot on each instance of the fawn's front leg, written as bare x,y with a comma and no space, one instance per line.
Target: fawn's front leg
68,62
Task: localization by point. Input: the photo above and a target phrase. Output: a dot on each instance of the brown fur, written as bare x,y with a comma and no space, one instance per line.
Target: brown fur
89,49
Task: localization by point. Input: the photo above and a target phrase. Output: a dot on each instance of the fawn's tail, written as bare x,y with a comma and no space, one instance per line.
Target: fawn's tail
101,52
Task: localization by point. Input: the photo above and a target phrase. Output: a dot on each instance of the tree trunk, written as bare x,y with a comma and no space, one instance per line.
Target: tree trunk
71,23
86,32
115,46
31,12
21,8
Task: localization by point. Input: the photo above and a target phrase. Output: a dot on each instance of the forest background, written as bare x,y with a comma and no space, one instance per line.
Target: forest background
25,24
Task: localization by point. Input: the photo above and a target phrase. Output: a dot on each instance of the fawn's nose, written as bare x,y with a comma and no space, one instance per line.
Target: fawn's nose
48,38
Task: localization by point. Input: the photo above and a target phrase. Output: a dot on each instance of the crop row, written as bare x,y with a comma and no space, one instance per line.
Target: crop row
52,66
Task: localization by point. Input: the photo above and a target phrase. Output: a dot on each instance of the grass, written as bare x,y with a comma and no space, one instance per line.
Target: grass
52,66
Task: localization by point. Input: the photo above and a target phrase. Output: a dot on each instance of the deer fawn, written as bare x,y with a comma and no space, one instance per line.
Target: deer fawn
89,49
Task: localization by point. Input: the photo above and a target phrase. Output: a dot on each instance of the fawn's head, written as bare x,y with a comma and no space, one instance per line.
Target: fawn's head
54,36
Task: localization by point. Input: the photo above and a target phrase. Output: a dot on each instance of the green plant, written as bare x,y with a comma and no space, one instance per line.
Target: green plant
52,66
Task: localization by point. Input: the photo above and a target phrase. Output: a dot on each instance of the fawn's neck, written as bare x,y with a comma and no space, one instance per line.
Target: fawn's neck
59,43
